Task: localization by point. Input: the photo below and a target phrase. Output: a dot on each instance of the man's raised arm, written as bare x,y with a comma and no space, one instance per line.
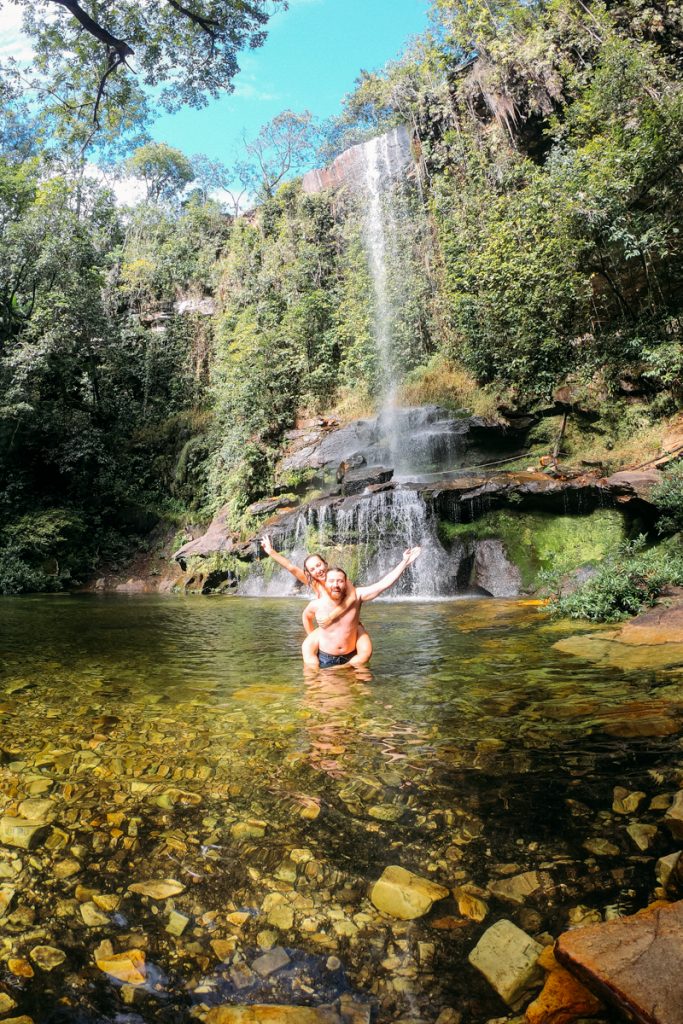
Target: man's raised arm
267,545
375,589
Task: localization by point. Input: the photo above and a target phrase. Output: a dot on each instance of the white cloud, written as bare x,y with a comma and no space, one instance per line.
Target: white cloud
13,42
128,191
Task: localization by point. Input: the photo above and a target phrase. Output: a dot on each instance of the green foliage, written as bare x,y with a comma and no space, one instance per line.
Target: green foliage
627,580
41,551
668,496
165,171
83,54
539,543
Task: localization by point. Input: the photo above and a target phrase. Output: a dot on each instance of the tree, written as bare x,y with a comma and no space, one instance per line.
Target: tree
165,171
188,48
281,149
214,176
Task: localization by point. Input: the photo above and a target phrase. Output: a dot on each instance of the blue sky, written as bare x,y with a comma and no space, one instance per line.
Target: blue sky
310,60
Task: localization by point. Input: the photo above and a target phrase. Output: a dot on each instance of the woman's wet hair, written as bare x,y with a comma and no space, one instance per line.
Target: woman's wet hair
307,560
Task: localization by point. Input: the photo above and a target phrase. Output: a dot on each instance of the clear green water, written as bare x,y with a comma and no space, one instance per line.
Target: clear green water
179,739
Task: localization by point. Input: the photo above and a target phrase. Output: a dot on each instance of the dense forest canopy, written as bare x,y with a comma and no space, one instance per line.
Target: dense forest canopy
544,247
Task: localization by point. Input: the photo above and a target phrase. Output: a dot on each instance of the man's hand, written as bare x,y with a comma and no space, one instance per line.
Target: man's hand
410,554
267,544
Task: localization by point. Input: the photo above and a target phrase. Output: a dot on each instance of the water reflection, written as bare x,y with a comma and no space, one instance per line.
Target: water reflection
147,739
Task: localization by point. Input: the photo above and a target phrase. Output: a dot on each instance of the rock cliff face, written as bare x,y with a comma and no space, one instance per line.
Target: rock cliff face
350,166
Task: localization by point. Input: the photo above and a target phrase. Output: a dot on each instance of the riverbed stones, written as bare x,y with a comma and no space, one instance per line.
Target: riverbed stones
633,962
400,893
274,960
673,819
600,847
508,959
563,1000
272,1014
158,889
128,967
47,957
625,802
518,888
20,832
6,1003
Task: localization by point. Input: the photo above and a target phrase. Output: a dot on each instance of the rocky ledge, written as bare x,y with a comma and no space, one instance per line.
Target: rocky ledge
654,639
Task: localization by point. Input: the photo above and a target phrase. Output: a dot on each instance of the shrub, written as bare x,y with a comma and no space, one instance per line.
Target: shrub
668,496
629,579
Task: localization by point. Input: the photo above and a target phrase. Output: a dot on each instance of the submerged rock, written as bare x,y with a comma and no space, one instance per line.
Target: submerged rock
47,957
271,1014
673,819
128,967
508,959
402,894
158,889
634,963
563,1000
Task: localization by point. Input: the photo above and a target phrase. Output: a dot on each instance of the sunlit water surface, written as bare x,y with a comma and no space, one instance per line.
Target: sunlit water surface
179,738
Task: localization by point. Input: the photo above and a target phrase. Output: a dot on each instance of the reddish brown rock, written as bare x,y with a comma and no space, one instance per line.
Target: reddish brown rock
660,625
633,963
632,483
563,999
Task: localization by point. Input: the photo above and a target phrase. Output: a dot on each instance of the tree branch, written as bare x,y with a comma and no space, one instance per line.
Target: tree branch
206,24
119,46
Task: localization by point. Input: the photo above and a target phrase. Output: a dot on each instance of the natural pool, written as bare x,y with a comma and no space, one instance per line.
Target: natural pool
178,739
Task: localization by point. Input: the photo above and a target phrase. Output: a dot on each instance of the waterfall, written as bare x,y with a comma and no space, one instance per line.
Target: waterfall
367,537
379,233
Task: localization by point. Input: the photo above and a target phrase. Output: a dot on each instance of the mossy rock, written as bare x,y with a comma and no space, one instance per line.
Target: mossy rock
539,541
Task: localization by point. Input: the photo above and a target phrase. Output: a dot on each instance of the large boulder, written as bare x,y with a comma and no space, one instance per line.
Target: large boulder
632,963
493,570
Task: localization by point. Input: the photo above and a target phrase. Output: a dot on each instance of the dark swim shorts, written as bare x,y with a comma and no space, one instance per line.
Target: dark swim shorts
333,660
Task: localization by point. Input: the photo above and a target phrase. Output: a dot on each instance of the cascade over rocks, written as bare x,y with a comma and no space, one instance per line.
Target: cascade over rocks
392,481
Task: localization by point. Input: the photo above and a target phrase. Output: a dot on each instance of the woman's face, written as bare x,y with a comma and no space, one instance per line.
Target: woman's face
316,567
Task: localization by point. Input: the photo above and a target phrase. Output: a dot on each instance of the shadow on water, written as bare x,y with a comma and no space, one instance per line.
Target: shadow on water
169,738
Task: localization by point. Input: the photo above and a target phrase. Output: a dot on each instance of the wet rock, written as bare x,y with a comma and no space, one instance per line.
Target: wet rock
668,871
630,484
642,835
353,1012
282,918
20,967
673,819
508,959
242,976
6,1003
158,889
470,906
601,847
6,896
633,963
273,960
47,957
19,832
267,506
356,480
92,916
402,894
272,1014
493,570
224,948
177,923
518,888
128,967
625,802
562,1000
449,1016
